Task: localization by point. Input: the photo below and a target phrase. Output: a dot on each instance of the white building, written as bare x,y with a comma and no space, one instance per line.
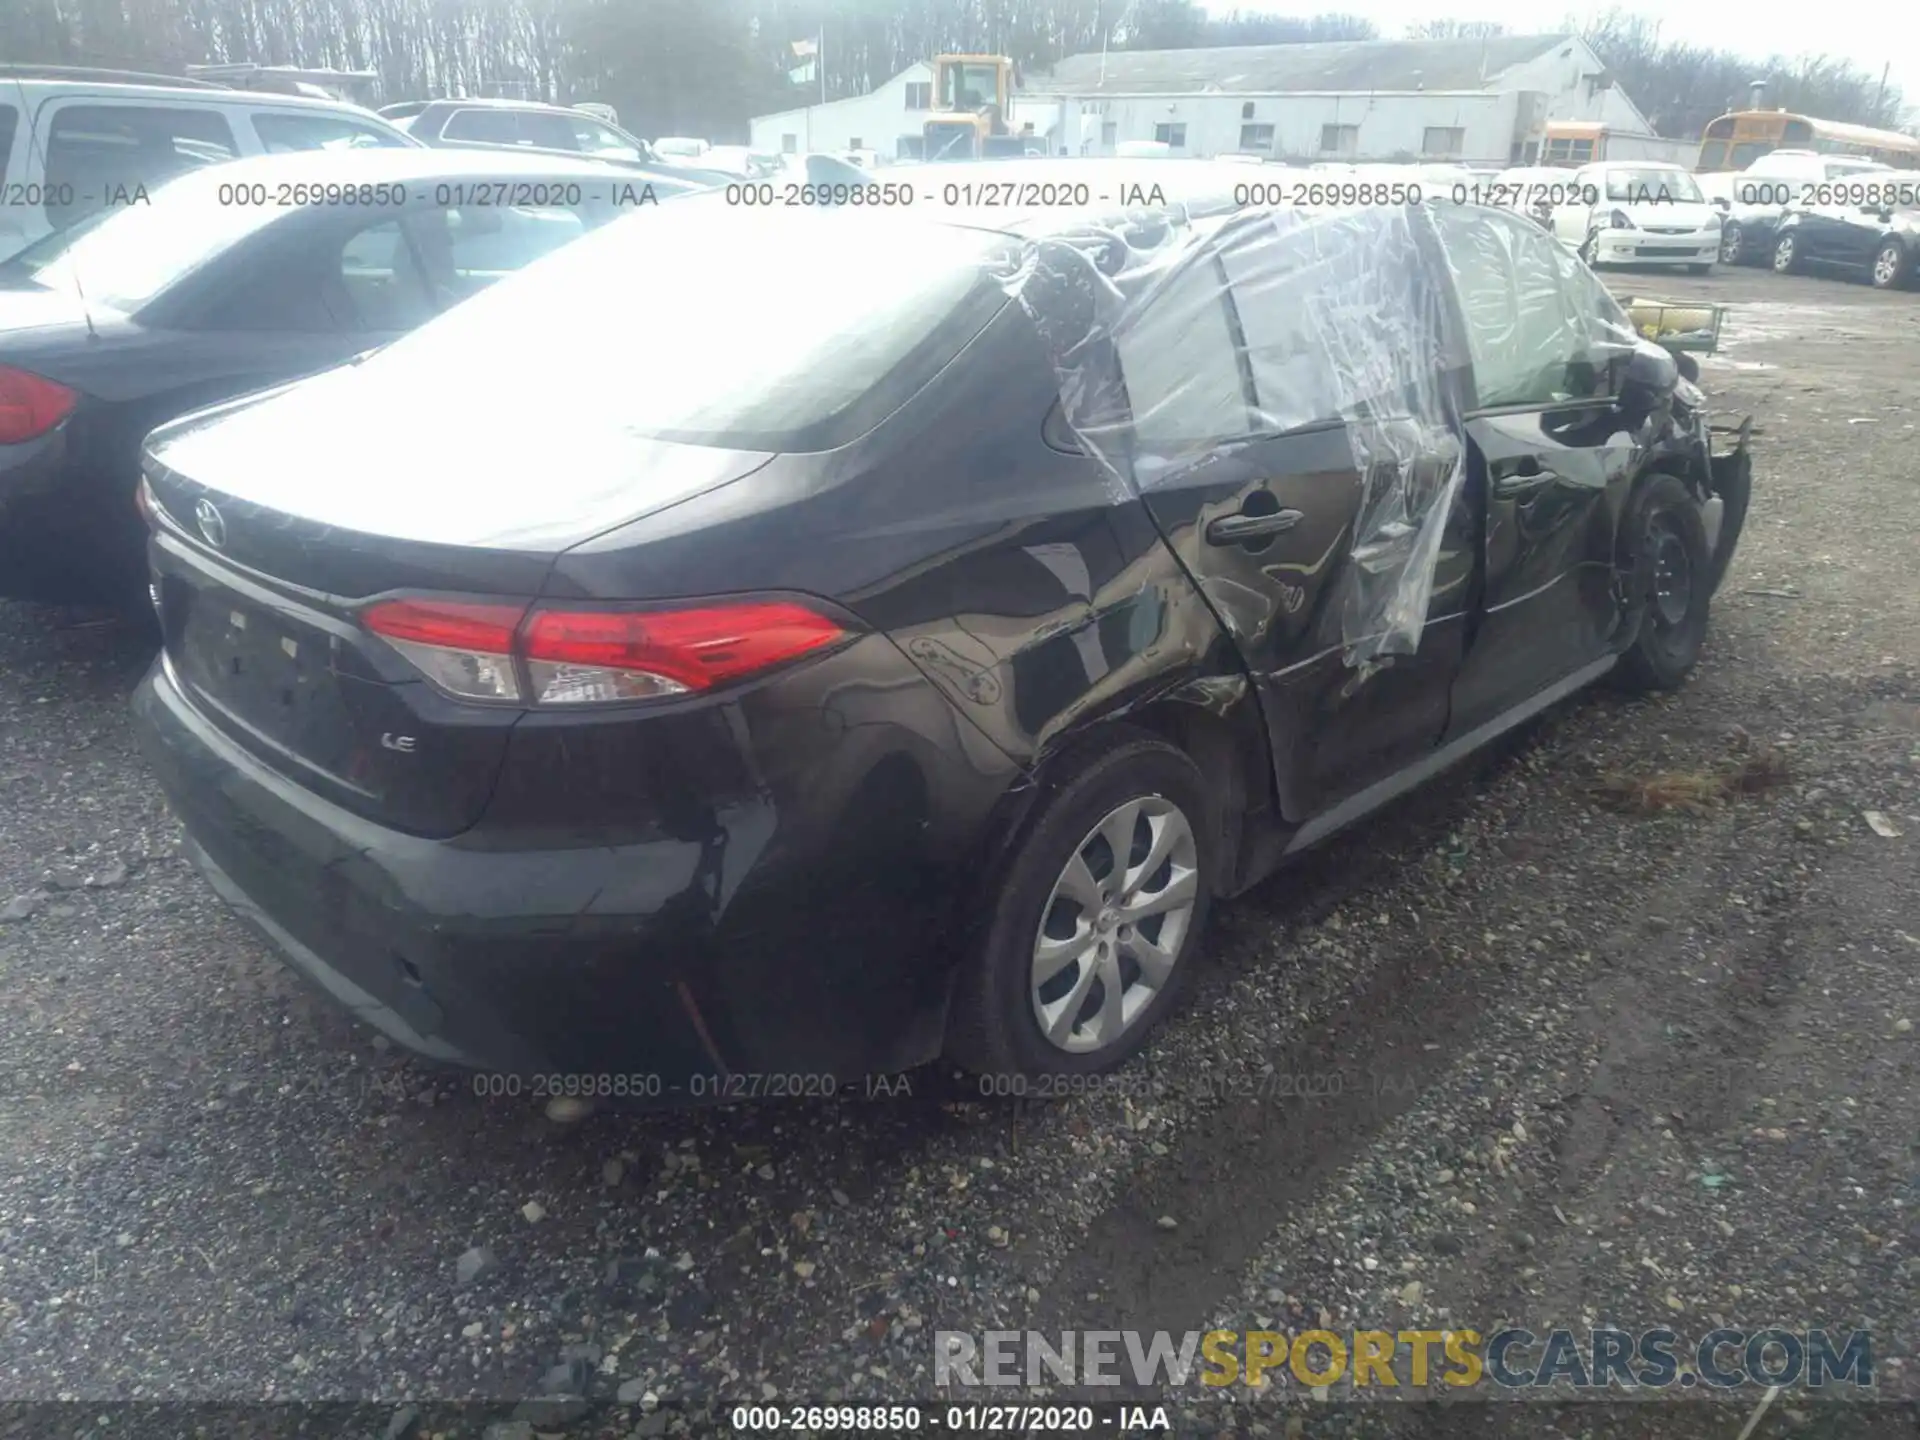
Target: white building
1484,101
878,121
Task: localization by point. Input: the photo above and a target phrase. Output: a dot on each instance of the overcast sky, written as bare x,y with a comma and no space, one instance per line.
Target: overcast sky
1867,36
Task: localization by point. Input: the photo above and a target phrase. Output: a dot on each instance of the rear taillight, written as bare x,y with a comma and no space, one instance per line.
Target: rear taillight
30,405
482,650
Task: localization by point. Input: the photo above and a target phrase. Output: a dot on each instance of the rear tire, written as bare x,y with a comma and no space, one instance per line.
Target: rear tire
1670,578
1058,953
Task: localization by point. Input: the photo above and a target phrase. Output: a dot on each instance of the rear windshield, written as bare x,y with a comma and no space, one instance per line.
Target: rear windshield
131,253
707,325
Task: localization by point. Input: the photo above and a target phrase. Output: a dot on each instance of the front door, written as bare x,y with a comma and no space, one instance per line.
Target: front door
1549,453
1261,447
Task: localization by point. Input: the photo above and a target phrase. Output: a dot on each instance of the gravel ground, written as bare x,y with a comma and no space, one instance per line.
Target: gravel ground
1535,1046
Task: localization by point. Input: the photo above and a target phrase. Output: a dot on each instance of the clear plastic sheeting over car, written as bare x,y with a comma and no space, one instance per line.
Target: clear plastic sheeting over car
1337,319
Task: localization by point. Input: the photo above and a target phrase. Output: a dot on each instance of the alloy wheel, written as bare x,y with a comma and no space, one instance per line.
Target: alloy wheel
1886,266
1114,925
1783,254
1731,245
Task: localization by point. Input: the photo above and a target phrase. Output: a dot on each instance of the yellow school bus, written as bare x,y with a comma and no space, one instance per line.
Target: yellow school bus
1735,141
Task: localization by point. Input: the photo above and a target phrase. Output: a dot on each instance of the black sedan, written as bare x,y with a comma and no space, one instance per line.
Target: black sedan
718,689
1875,242
233,278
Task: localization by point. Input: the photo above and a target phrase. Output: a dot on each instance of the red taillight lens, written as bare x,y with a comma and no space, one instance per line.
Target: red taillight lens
30,406
584,656
464,647
576,657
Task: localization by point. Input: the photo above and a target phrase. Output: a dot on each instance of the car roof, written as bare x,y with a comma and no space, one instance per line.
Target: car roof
495,104
184,93
390,164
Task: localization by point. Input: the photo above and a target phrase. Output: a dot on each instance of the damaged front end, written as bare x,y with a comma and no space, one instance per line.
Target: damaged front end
1713,458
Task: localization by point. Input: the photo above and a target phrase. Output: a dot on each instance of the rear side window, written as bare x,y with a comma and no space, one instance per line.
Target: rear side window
485,242
489,127
385,284
513,127
1178,359
280,132
99,154
9,123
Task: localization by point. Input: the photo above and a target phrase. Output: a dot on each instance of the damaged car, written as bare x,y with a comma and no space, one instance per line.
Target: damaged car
899,665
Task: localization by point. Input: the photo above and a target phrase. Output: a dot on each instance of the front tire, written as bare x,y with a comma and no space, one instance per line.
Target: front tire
1786,256
1670,578
1095,920
1890,266
1733,242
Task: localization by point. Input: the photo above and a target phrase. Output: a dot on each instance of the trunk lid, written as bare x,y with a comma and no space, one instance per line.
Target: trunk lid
279,516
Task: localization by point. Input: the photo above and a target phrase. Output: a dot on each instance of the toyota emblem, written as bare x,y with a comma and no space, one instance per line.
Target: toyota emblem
212,524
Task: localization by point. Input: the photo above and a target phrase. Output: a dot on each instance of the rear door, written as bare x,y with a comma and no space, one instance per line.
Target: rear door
1548,451
1253,476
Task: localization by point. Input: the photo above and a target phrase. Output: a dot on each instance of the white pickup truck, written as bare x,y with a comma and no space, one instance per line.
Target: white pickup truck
1753,200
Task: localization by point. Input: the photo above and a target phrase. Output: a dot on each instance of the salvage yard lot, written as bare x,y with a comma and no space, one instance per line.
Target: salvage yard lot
1613,1024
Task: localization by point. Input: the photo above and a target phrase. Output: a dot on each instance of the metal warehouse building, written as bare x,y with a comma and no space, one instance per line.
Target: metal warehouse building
1485,101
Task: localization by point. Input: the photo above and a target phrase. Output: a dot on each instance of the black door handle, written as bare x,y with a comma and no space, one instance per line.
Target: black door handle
1238,529
1521,474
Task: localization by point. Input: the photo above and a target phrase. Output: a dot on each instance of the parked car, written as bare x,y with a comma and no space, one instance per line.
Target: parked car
1638,212
890,667
1754,200
1878,241
741,161
538,128
681,147
1534,191
74,141
220,286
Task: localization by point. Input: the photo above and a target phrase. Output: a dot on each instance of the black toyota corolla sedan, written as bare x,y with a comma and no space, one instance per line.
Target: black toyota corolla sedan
889,646
230,279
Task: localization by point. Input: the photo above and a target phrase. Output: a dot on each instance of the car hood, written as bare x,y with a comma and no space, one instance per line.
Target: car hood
345,450
1664,214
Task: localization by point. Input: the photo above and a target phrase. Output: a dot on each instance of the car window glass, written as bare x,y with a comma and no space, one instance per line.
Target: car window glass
464,249
887,304
281,132
1316,325
596,139
1539,327
1178,360
134,252
383,280
547,131
98,152
491,127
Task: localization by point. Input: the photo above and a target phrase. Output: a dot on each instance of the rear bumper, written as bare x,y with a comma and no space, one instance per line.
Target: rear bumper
455,955
761,945
67,532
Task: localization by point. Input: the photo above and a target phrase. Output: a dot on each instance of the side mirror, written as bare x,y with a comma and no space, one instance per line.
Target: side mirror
1645,381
